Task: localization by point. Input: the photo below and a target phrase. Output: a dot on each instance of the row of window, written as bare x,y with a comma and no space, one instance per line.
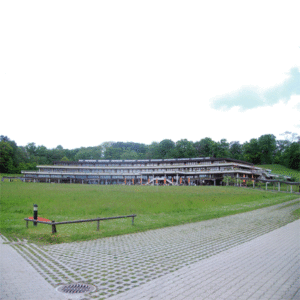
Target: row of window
117,177
134,170
142,164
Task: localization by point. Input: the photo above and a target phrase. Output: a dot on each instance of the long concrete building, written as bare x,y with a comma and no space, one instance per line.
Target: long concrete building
180,171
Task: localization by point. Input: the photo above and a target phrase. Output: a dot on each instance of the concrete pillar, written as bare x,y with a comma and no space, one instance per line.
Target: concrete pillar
278,186
266,186
215,182
291,188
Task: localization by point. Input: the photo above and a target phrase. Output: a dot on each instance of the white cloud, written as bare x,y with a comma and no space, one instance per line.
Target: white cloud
250,97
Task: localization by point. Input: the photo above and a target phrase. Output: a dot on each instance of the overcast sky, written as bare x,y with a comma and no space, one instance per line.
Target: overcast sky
79,73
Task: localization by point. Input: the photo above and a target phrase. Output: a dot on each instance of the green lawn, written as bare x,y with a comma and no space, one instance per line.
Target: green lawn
155,207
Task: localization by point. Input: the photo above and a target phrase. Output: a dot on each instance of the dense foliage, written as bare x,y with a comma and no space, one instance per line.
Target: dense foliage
264,150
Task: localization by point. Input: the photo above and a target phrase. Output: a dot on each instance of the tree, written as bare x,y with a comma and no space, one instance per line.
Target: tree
205,147
165,148
139,149
15,159
129,154
104,146
267,147
113,153
184,149
292,156
89,153
22,155
6,162
227,179
281,146
153,151
31,148
4,138
26,166
251,152
42,155
57,153
235,150
221,148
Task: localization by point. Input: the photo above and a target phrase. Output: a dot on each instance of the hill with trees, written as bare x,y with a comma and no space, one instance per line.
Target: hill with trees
265,150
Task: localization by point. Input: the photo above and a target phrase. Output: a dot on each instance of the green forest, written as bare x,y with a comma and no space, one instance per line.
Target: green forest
260,151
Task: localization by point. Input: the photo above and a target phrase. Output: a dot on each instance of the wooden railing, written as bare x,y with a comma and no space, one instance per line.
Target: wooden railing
53,223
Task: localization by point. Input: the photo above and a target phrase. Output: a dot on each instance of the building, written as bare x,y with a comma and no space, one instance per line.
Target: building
180,171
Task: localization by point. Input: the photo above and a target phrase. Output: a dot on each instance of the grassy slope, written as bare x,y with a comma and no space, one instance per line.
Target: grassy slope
281,170
156,207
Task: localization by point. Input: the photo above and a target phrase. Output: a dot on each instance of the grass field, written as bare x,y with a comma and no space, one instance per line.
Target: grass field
155,207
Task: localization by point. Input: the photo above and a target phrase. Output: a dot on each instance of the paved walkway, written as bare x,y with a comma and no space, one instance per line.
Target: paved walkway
267,267
19,280
253,255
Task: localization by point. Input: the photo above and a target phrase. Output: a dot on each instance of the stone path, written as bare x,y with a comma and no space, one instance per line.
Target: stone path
267,267
19,280
162,259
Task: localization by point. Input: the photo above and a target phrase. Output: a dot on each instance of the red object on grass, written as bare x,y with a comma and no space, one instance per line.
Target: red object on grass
40,219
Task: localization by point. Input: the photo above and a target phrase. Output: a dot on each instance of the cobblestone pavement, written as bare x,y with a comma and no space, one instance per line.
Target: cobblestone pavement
133,263
19,280
267,267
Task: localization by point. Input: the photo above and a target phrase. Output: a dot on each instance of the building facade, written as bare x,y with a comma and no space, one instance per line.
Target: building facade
180,171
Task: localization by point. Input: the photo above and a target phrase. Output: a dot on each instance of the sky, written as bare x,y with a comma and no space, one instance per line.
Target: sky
80,73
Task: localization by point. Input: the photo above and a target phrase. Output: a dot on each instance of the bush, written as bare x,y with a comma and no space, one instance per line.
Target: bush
249,183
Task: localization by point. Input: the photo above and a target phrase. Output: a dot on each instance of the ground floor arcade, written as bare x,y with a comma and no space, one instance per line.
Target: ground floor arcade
154,179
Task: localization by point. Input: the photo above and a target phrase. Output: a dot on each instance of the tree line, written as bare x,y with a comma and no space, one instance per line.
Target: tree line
263,150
